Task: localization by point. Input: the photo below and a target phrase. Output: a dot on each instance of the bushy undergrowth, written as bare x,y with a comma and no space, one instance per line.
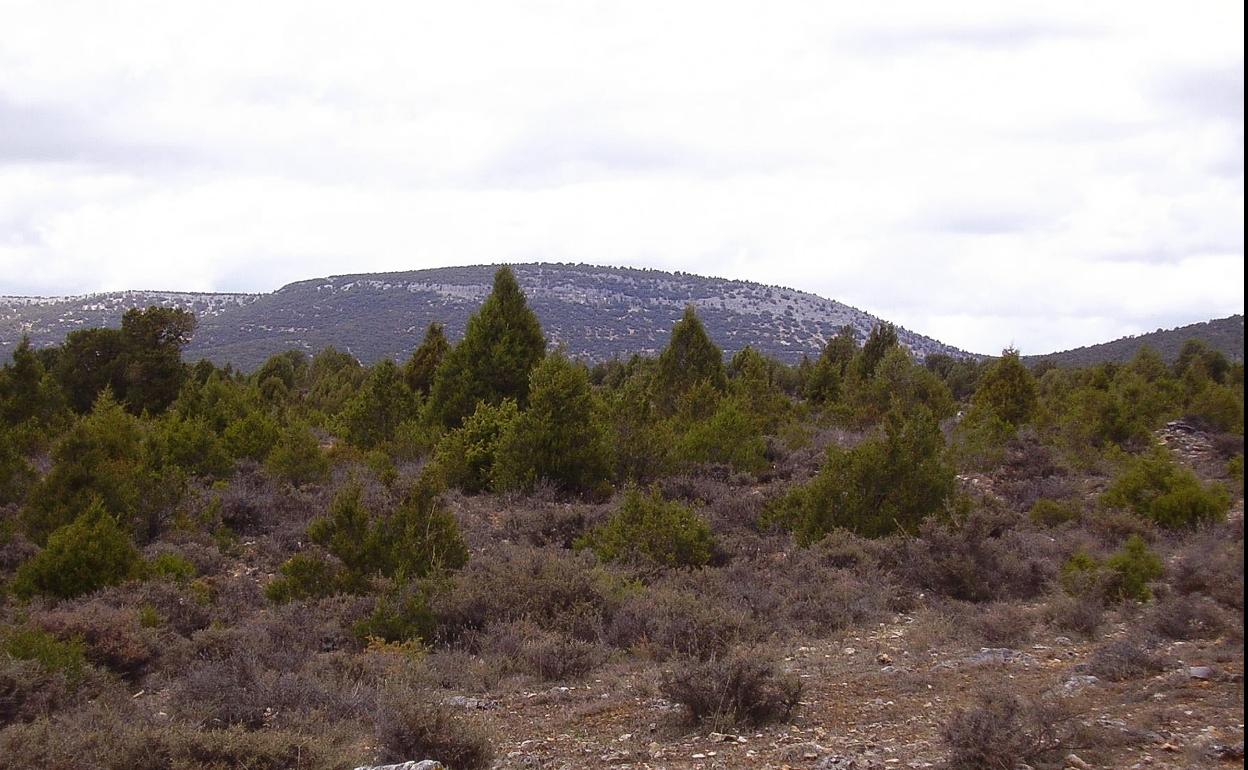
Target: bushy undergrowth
284,561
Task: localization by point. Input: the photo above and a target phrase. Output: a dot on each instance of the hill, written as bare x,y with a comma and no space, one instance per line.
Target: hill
1225,335
594,312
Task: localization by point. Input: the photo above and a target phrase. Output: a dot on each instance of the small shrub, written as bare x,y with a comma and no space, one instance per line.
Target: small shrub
1003,625
1082,575
1052,513
112,637
297,458
978,558
402,615
411,725
1213,564
663,621
1132,569
1002,731
548,655
55,656
879,487
1155,487
466,455
555,589
1082,614
304,576
171,566
92,552
1187,617
740,689
1123,659
648,528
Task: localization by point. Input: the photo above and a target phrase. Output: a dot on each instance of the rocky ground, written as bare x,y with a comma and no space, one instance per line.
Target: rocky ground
871,701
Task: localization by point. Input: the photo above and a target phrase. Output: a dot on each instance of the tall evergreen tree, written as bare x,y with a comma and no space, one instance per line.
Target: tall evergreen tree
828,373
420,368
689,358
1007,389
502,344
882,339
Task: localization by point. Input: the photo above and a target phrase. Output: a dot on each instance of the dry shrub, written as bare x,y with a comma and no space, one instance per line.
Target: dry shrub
178,607
104,738
557,525
240,691
411,726
1212,563
1123,659
1083,614
743,688
663,621
522,647
28,690
554,589
1003,624
1188,617
113,637
1002,731
1112,526
980,558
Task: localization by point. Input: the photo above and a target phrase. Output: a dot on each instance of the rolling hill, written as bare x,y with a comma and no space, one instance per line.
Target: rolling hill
595,312
1225,335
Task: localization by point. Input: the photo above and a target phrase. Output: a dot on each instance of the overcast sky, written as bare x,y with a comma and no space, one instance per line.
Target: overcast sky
1037,174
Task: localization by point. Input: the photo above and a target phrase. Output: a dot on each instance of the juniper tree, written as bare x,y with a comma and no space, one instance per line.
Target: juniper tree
689,358
502,344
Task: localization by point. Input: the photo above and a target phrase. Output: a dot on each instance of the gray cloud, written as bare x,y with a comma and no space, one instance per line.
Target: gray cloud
53,133
1212,93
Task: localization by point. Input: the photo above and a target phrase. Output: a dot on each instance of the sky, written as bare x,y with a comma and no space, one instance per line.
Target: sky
1034,175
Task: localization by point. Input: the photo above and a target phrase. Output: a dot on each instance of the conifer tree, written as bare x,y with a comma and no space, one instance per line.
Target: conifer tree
689,358
882,339
502,344
558,437
420,368
1007,389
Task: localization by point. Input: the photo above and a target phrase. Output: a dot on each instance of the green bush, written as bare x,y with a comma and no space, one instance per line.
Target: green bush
171,566
399,616
1157,488
68,657
557,438
1007,389
297,457
92,552
730,436
417,539
501,344
465,456
1132,569
304,576
1081,575
648,528
1124,576
1051,513
879,487
252,436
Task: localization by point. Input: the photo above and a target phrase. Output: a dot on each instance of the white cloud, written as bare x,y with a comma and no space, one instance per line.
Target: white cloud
987,173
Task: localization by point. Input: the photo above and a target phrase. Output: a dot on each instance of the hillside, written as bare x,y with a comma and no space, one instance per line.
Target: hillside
1225,335
595,312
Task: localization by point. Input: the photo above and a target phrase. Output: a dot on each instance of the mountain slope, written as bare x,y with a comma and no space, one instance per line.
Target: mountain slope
595,312
1225,335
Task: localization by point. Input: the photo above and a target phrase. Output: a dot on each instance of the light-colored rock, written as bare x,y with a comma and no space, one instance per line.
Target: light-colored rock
424,764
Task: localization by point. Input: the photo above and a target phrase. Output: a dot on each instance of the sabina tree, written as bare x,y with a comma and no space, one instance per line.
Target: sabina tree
502,344
689,359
